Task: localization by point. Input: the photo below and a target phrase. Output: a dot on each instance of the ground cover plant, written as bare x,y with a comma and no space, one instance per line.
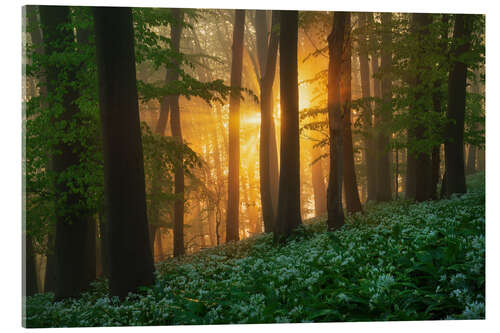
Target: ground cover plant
397,261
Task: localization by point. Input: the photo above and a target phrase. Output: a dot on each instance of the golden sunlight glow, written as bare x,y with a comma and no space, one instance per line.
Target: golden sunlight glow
251,118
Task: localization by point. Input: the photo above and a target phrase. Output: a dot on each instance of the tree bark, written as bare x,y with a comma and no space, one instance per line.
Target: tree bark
175,125
318,183
30,275
454,153
334,195
353,203
288,216
233,202
422,171
49,284
370,149
130,257
269,173
384,114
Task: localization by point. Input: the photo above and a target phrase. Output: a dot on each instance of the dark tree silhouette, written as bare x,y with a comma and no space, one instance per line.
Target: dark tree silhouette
335,50
175,125
383,116
454,145
369,142
130,257
350,184
233,194
288,217
268,159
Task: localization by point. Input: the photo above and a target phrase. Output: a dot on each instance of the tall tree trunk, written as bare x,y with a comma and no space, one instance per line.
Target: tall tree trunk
268,158
49,284
130,257
454,153
288,216
104,254
175,125
71,225
350,184
369,142
472,155
30,275
422,170
233,201
335,48
384,114
471,160
318,183
91,249
438,98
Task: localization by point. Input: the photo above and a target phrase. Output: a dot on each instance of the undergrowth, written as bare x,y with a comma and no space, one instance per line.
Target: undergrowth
396,261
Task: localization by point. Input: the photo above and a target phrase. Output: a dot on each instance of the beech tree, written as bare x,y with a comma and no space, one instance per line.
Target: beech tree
336,126
268,163
72,219
384,113
454,151
233,201
175,125
366,93
353,203
130,257
288,216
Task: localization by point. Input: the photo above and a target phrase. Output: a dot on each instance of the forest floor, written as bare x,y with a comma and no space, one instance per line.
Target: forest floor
396,261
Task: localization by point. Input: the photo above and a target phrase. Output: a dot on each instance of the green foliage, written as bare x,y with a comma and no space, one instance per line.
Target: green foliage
397,261
162,155
46,130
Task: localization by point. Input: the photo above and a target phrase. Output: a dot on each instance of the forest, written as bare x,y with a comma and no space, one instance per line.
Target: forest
216,166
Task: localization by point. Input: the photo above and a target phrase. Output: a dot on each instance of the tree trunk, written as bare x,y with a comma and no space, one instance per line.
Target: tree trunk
71,224
370,149
233,201
318,183
350,184
130,257
423,166
454,153
335,47
268,158
288,216
384,114
471,160
175,125
30,275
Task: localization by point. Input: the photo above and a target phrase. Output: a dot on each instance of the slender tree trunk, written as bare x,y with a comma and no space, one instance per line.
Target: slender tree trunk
369,141
288,217
454,154
422,171
130,257
175,125
472,155
268,158
384,115
334,196
232,220
30,275
350,184
104,254
318,183
91,249
471,160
